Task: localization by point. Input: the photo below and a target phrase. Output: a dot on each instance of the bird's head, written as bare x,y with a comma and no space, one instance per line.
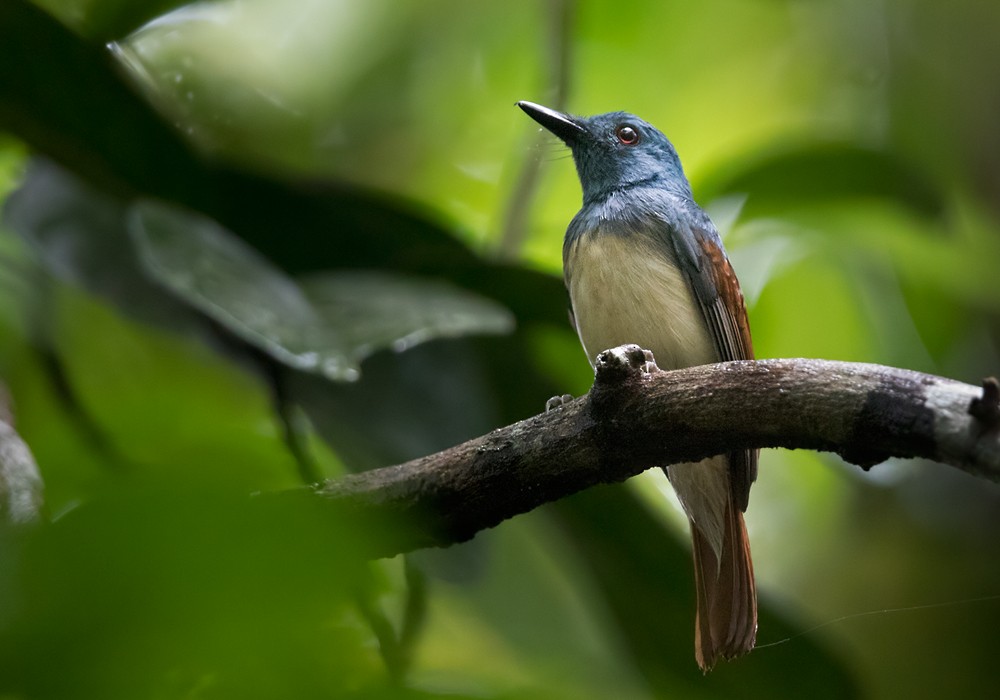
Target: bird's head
614,151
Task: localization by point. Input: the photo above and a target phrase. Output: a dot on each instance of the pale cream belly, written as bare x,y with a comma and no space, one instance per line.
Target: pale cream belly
624,291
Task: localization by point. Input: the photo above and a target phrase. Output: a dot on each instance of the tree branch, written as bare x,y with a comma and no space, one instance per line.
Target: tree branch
21,487
636,417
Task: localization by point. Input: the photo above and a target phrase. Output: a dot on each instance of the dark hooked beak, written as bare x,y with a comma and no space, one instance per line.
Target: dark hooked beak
562,125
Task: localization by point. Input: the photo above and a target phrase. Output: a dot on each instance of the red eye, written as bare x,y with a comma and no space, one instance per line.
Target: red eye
627,135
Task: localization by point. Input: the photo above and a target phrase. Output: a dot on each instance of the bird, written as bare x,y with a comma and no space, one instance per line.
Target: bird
644,264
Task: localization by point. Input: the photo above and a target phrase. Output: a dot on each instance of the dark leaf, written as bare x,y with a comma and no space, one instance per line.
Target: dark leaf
79,235
778,180
108,19
326,326
78,108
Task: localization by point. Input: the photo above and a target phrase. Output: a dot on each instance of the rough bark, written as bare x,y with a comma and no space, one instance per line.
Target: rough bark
636,417
21,488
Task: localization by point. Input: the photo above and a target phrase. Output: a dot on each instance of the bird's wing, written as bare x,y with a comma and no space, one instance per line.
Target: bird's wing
724,307
699,250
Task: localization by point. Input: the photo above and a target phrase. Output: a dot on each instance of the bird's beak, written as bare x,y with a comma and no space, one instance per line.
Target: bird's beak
564,126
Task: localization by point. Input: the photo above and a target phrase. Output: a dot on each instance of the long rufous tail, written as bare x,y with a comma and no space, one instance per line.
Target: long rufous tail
726,617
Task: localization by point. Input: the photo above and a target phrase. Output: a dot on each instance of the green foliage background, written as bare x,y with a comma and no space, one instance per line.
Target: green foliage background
847,149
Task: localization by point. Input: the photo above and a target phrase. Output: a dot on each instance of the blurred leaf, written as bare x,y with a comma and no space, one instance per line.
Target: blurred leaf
943,97
103,20
72,464
12,158
96,125
326,326
76,107
406,405
167,404
384,310
79,234
431,402
531,611
321,98
814,308
815,173
191,592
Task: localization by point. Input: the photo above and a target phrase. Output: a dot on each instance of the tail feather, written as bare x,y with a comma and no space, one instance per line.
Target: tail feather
726,618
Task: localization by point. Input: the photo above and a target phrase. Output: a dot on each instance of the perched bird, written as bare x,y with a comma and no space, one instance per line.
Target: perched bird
645,265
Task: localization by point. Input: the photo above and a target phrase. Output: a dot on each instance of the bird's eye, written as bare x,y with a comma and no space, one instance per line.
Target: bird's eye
627,135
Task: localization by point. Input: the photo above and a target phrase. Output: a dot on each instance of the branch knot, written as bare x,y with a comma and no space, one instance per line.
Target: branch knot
619,365
986,408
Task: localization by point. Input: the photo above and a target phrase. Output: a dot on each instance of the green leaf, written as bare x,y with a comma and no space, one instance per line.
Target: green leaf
374,310
814,173
78,108
78,233
178,590
326,326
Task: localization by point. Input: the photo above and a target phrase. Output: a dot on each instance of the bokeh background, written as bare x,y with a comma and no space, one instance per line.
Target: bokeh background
249,244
